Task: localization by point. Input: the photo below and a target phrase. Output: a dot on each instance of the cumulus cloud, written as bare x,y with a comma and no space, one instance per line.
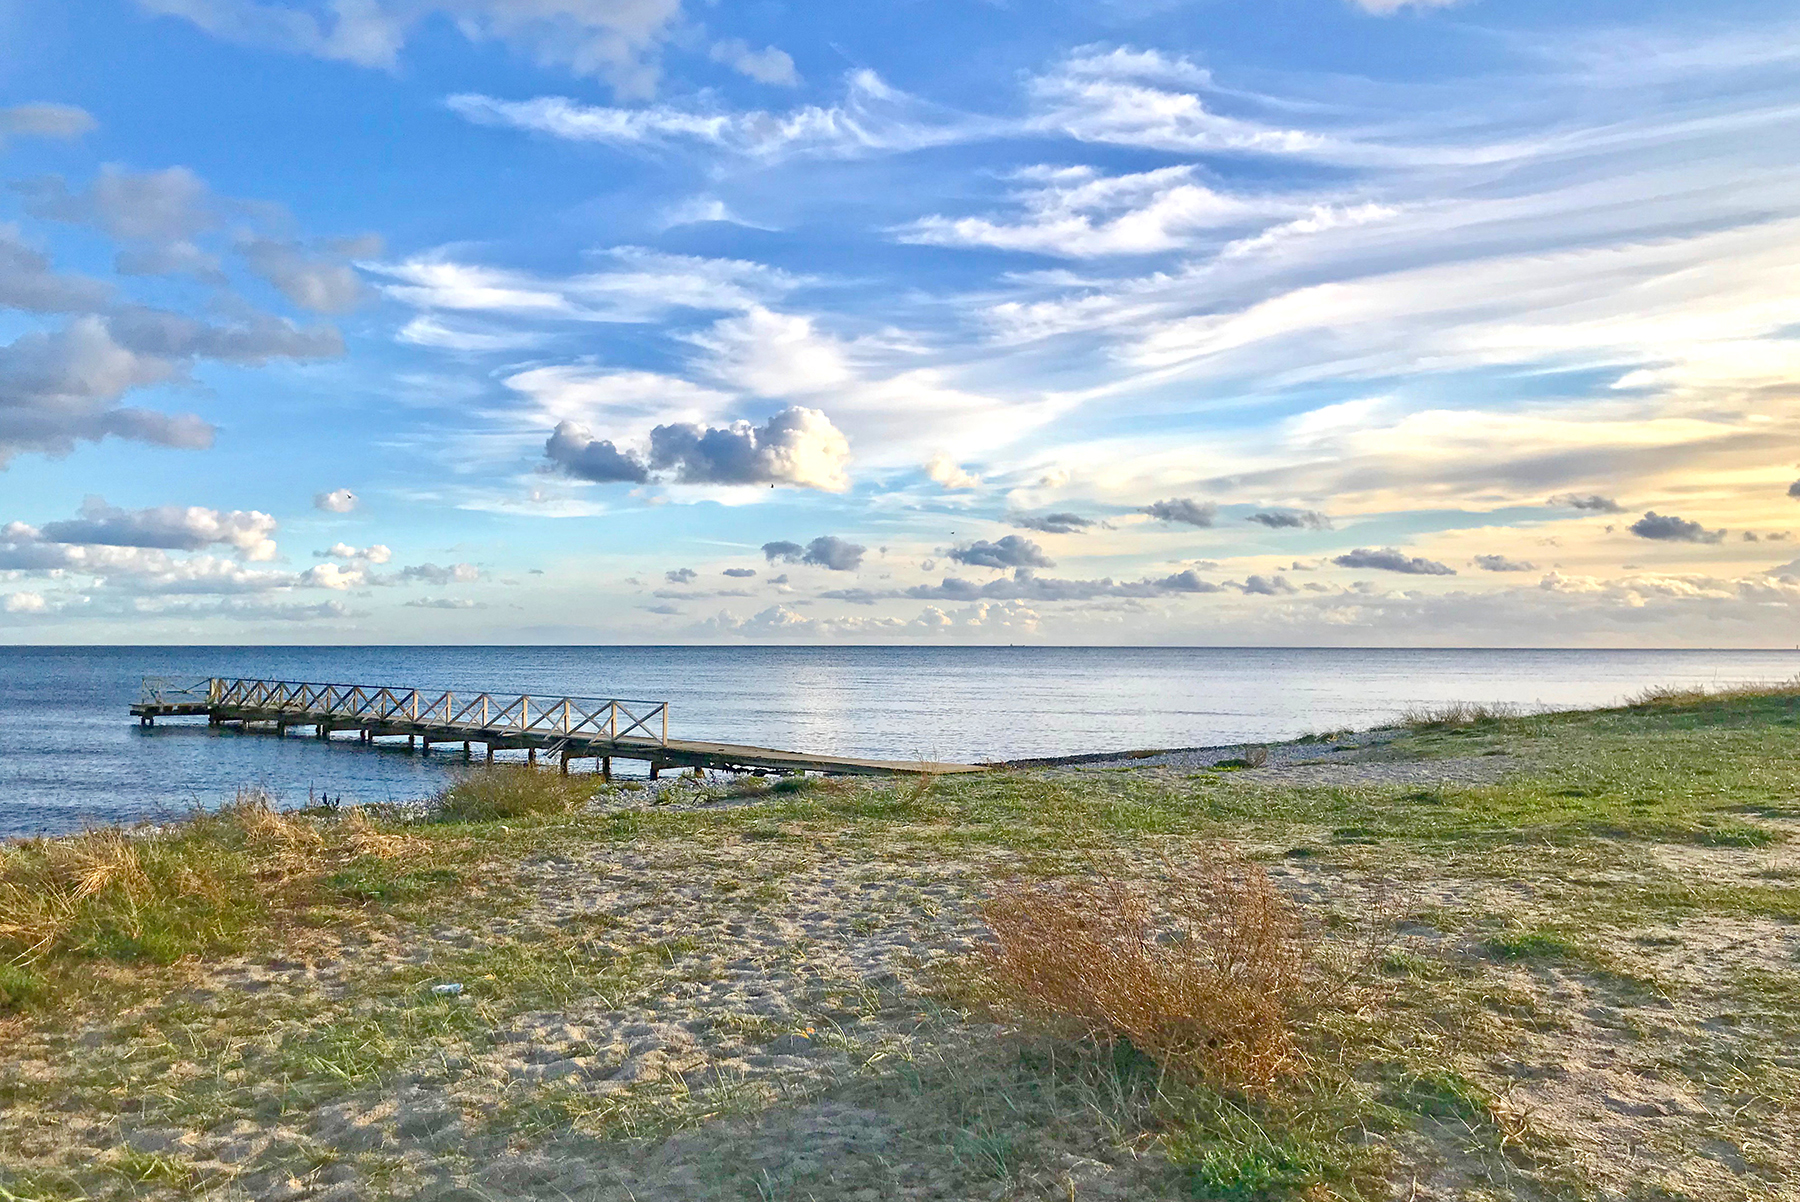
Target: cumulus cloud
1184,510
740,573
1188,581
1267,586
171,258
338,500
44,120
167,527
1661,528
1500,563
798,447
1589,501
616,40
27,281
61,387
155,206
574,449
1026,585
768,65
1052,523
1012,551
830,551
826,551
377,553
681,576
331,576
318,282
444,603
431,573
947,473
1309,519
23,603
1389,559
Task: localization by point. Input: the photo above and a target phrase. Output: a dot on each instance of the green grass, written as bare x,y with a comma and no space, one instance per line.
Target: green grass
500,792
1604,814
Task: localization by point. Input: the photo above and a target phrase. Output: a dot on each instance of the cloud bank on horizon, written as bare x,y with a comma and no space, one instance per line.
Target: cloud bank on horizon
1426,322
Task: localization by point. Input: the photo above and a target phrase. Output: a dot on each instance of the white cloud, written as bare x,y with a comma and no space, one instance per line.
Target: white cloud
797,446
338,500
768,65
1387,8
321,283
23,603
44,120
1116,99
377,553
1076,212
637,286
169,527
626,402
614,40
62,387
872,119
946,472
331,576
27,281
154,206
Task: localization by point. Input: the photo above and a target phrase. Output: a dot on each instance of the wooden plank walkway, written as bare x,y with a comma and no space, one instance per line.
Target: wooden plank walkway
564,728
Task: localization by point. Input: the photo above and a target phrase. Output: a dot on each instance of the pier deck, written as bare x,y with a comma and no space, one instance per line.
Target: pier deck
566,728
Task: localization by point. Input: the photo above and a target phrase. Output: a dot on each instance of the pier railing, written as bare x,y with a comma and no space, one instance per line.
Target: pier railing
176,690
613,719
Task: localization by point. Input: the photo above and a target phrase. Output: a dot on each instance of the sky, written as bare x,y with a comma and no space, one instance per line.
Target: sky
1202,322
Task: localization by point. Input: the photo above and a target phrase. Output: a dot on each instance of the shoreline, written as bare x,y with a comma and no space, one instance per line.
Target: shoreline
739,986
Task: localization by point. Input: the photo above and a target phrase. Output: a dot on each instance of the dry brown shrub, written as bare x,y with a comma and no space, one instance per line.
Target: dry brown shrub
1206,970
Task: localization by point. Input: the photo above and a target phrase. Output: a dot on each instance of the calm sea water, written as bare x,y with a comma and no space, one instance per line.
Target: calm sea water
70,754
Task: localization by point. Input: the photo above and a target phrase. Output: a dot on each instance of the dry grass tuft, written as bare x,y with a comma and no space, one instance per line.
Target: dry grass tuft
161,893
1669,697
1455,715
1207,971
505,791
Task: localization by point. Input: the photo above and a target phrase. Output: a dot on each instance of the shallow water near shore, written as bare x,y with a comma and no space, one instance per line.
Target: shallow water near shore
70,755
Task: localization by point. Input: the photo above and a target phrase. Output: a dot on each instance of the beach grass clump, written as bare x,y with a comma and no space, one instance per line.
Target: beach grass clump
511,791
1206,971
210,883
1456,715
1681,697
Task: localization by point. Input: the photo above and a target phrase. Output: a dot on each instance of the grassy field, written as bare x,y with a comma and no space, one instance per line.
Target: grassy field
1544,956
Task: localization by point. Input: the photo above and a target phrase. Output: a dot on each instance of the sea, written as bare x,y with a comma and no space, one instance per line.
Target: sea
71,756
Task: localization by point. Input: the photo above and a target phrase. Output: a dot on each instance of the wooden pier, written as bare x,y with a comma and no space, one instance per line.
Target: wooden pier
560,728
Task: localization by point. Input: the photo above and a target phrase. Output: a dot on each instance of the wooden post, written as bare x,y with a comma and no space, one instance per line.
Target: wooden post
322,729
654,769
565,761
531,756
606,768
465,751
412,742
490,753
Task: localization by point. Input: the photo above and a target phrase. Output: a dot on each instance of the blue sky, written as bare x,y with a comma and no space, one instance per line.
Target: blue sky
1295,322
